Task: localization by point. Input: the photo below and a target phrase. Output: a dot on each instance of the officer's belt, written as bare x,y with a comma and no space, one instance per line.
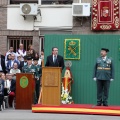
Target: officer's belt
102,68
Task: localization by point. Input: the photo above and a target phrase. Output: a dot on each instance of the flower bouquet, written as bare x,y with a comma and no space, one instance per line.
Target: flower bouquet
65,97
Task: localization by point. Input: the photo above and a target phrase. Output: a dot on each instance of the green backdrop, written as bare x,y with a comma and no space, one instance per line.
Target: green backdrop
83,87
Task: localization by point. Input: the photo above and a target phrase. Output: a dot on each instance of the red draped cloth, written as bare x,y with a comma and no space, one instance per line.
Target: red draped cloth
105,15
67,83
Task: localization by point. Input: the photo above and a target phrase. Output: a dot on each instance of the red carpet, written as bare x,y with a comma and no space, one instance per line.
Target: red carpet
77,109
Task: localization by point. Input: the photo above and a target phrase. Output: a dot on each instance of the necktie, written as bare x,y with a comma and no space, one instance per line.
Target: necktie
55,59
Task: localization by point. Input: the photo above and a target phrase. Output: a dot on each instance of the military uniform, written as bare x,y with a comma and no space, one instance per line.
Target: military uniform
39,71
31,69
104,73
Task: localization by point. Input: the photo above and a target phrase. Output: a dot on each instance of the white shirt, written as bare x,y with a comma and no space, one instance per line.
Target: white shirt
54,57
104,58
14,71
25,63
7,84
39,61
12,61
21,53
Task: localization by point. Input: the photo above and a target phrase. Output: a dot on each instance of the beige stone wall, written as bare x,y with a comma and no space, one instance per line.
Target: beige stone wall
3,2
80,26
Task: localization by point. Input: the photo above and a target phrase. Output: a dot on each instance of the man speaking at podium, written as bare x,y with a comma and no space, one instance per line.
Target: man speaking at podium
55,60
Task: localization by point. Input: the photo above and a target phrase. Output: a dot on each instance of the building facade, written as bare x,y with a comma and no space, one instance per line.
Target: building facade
56,18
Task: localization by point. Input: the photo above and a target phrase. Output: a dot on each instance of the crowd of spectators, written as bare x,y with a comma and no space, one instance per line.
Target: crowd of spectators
12,63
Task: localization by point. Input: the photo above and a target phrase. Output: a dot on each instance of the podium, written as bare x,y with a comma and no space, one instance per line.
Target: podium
51,86
24,90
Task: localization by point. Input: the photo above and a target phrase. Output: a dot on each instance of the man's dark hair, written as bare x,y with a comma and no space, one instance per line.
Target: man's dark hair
53,48
25,57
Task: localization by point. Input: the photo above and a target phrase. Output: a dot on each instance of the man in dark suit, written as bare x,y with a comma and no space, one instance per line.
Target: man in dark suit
103,75
55,60
12,88
2,63
23,63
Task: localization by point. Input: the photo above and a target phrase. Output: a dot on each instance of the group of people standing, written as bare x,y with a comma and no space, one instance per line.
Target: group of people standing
17,62
29,63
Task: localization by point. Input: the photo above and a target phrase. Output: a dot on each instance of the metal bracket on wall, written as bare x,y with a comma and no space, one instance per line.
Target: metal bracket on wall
80,19
35,17
24,16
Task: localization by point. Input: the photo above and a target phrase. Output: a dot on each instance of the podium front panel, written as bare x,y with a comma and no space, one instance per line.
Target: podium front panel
24,90
51,86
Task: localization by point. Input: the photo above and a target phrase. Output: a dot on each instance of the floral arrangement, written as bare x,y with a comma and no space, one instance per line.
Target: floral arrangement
65,97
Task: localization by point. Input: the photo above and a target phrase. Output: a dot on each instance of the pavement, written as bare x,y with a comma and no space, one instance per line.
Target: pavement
12,114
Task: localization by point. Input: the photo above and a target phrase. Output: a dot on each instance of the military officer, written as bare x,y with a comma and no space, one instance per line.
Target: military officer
103,75
39,71
30,68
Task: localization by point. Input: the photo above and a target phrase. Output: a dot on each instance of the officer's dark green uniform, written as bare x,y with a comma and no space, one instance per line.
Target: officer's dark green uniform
30,68
39,71
104,73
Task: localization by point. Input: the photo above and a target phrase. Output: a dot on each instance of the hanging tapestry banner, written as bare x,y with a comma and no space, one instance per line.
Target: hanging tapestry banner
105,15
72,49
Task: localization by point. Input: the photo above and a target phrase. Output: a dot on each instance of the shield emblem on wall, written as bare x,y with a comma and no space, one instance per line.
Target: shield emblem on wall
105,12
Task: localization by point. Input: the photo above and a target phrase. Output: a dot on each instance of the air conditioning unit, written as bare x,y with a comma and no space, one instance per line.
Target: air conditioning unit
28,9
81,9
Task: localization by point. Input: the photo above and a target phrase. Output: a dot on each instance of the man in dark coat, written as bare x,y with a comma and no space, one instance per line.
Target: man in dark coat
23,63
55,60
103,74
12,88
38,78
2,63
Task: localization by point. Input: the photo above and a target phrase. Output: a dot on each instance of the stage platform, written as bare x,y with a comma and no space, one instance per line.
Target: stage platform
77,109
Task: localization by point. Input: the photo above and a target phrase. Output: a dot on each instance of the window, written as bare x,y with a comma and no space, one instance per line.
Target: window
15,41
23,1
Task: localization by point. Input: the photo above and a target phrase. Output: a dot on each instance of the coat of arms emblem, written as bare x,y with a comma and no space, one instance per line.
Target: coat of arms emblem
105,12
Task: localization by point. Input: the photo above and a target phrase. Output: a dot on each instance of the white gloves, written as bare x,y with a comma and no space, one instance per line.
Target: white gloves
111,80
94,79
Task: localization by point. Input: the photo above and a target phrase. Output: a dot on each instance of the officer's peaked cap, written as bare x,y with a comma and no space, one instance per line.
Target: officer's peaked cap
105,49
29,58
